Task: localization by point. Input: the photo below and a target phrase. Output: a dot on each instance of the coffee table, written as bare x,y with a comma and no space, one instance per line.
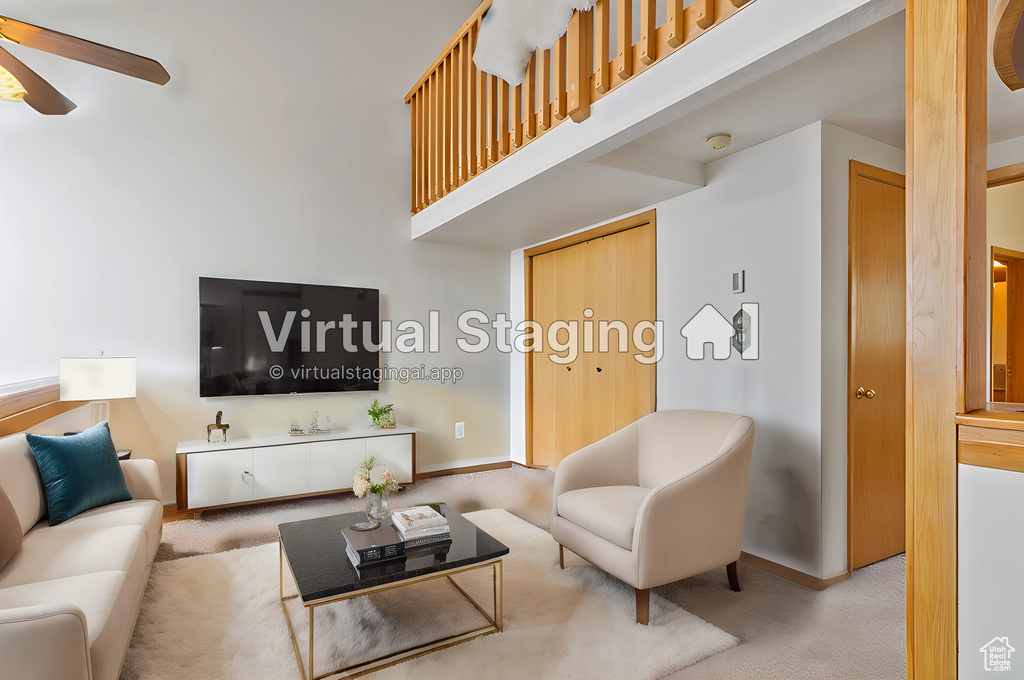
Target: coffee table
314,552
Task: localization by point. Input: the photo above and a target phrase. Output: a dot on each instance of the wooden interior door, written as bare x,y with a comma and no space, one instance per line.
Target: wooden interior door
876,418
607,276
1014,277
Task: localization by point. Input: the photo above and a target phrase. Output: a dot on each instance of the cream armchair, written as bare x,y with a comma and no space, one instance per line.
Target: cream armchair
658,501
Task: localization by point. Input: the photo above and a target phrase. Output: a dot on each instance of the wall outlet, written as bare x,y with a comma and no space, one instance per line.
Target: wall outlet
460,430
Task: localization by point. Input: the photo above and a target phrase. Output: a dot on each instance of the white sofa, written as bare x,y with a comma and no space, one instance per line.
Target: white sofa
70,596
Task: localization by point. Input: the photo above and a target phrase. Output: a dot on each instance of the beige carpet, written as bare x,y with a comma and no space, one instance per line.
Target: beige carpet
217,616
853,631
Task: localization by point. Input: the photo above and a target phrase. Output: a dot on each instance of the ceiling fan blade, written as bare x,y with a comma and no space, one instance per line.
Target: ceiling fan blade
41,96
85,51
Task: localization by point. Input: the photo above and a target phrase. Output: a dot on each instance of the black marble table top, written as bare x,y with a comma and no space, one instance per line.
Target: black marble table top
315,550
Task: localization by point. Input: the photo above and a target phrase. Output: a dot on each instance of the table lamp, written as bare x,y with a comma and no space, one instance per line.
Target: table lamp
97,381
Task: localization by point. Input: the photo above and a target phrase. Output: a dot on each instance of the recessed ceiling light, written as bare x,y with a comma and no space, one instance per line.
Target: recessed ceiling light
719,141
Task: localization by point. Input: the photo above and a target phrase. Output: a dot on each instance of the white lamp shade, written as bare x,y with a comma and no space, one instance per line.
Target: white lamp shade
97,379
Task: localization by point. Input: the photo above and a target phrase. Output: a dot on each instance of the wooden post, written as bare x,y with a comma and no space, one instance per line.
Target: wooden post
649,32
946,153
706,13
494,135
545,90
602,20
474,103
624,62
579,65
531,98
561,90
676,21
465,122
503,104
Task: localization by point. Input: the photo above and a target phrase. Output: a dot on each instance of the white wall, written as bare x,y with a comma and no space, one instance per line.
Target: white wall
839,147
277,152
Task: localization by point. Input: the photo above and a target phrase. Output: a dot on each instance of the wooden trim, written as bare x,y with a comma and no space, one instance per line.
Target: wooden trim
29,418
28,399
173,514
792,575
1007,15
638,220
992,455
463,470
1001,420
1007,174
880,174
181,483
946,289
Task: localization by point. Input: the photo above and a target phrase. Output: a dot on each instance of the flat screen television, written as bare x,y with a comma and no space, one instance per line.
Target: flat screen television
259,337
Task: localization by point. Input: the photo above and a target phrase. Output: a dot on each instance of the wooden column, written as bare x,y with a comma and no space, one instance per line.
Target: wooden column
946,114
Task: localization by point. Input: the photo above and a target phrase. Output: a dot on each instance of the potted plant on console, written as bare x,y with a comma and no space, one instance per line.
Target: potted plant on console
382,416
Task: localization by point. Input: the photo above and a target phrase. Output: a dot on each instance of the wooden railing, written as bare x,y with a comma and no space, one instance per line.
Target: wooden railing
464,121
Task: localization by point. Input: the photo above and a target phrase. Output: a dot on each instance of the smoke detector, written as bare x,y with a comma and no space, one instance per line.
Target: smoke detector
719,141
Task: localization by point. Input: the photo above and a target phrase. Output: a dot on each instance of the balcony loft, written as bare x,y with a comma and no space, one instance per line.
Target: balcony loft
486,173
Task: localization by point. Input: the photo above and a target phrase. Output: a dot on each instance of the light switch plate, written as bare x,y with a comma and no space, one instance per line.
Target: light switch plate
460,430
739,284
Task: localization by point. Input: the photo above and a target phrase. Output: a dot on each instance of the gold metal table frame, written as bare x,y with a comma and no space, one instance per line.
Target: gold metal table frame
495,623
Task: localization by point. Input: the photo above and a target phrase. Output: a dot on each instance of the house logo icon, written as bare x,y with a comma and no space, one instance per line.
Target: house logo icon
997,654
709,326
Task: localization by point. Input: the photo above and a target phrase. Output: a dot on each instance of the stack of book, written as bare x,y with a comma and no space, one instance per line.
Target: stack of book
421,526
373,547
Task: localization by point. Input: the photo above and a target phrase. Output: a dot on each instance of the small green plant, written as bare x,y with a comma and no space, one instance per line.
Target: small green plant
376,411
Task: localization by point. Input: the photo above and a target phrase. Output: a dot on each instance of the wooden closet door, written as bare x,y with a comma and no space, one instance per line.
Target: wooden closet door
577,403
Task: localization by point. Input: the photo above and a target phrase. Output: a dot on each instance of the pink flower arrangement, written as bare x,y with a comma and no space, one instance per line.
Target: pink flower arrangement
365,479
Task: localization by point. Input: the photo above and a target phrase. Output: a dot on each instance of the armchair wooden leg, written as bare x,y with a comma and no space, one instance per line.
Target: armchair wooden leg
643,605
561,556
734,579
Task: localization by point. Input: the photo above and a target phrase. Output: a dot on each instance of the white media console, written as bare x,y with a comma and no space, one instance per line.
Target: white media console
260,469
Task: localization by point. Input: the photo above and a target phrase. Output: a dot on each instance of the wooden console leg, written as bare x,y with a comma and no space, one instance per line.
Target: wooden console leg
561,556
643,605
734,579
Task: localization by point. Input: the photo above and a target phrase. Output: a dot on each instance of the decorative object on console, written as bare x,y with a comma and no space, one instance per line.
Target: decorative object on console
20,83
217,433
79,473
374,482
376,412
97,380
314,426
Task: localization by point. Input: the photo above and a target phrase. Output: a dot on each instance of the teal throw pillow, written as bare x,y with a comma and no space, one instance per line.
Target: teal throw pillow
79,473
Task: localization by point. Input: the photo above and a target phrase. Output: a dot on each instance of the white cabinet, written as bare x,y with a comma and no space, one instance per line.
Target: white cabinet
395,452
259,469
281,471
334,464
220,478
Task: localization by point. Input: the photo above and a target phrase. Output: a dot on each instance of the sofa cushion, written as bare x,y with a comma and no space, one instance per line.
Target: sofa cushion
79,472
48,553
10,529
608,511
20,480
106,598
147,514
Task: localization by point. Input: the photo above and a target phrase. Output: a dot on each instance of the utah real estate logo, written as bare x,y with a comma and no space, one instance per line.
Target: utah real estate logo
997,654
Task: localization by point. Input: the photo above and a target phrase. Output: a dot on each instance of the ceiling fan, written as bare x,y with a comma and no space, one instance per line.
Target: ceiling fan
20,83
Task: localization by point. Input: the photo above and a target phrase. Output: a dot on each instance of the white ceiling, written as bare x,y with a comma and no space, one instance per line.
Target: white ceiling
857,84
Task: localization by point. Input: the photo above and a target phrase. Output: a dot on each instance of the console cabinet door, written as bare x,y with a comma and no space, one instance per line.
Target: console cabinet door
333,464
219,478
394,451
281,471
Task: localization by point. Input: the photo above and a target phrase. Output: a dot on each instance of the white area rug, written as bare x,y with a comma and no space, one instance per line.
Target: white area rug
218,616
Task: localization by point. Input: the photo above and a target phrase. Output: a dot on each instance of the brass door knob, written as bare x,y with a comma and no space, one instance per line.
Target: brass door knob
860,392
870,394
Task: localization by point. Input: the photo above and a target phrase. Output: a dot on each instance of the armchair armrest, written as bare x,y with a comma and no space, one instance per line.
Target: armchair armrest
611,461
143,479
694,522
43,642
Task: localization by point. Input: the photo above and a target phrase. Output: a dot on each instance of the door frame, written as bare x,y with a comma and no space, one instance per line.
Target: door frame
614,227
857,168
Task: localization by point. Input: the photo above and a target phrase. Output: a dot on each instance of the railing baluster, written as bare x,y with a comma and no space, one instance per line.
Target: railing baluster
435,135
485,113
624,62
503,106
579,69
648,32
422,159
561,96
531,98
464,89
545,90
492,124
705,13
449,106
474,104
676,23
415,145
517,116
604,70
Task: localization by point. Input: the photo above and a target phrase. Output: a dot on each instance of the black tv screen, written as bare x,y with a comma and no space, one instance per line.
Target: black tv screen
258,337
